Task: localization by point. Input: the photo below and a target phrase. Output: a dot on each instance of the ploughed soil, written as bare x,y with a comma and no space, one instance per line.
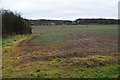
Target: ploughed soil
82,46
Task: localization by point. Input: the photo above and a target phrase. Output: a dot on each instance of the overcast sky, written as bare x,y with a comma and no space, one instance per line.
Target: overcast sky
63,9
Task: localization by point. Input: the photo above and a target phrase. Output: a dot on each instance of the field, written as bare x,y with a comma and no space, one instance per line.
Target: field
66,51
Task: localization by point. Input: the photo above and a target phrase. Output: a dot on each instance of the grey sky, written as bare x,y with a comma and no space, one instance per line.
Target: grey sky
63,9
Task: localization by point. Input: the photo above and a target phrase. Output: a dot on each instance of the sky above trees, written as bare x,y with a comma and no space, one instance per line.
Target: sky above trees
63,9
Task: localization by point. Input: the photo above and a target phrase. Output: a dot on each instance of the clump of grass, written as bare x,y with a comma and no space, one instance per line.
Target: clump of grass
37,75
58,60
7,49
31,74
38,70
41,74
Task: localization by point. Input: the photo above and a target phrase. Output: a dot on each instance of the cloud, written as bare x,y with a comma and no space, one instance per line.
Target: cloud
63,9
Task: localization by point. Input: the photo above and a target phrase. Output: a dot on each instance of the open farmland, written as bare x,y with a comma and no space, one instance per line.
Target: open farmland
66,51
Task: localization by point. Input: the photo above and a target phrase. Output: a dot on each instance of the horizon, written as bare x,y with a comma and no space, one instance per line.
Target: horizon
73,20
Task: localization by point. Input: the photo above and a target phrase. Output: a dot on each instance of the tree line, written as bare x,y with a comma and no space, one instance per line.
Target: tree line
75,22
14,24
96,21
50,22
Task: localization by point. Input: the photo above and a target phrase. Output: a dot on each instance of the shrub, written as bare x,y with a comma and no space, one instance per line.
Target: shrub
14,24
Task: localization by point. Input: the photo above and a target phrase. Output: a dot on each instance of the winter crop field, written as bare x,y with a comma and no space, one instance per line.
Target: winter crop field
65,51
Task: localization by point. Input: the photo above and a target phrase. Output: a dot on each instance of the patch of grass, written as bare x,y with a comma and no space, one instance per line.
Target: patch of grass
90,61
9,44
9,71
109,71
5,41
50,38
73,29
62,68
